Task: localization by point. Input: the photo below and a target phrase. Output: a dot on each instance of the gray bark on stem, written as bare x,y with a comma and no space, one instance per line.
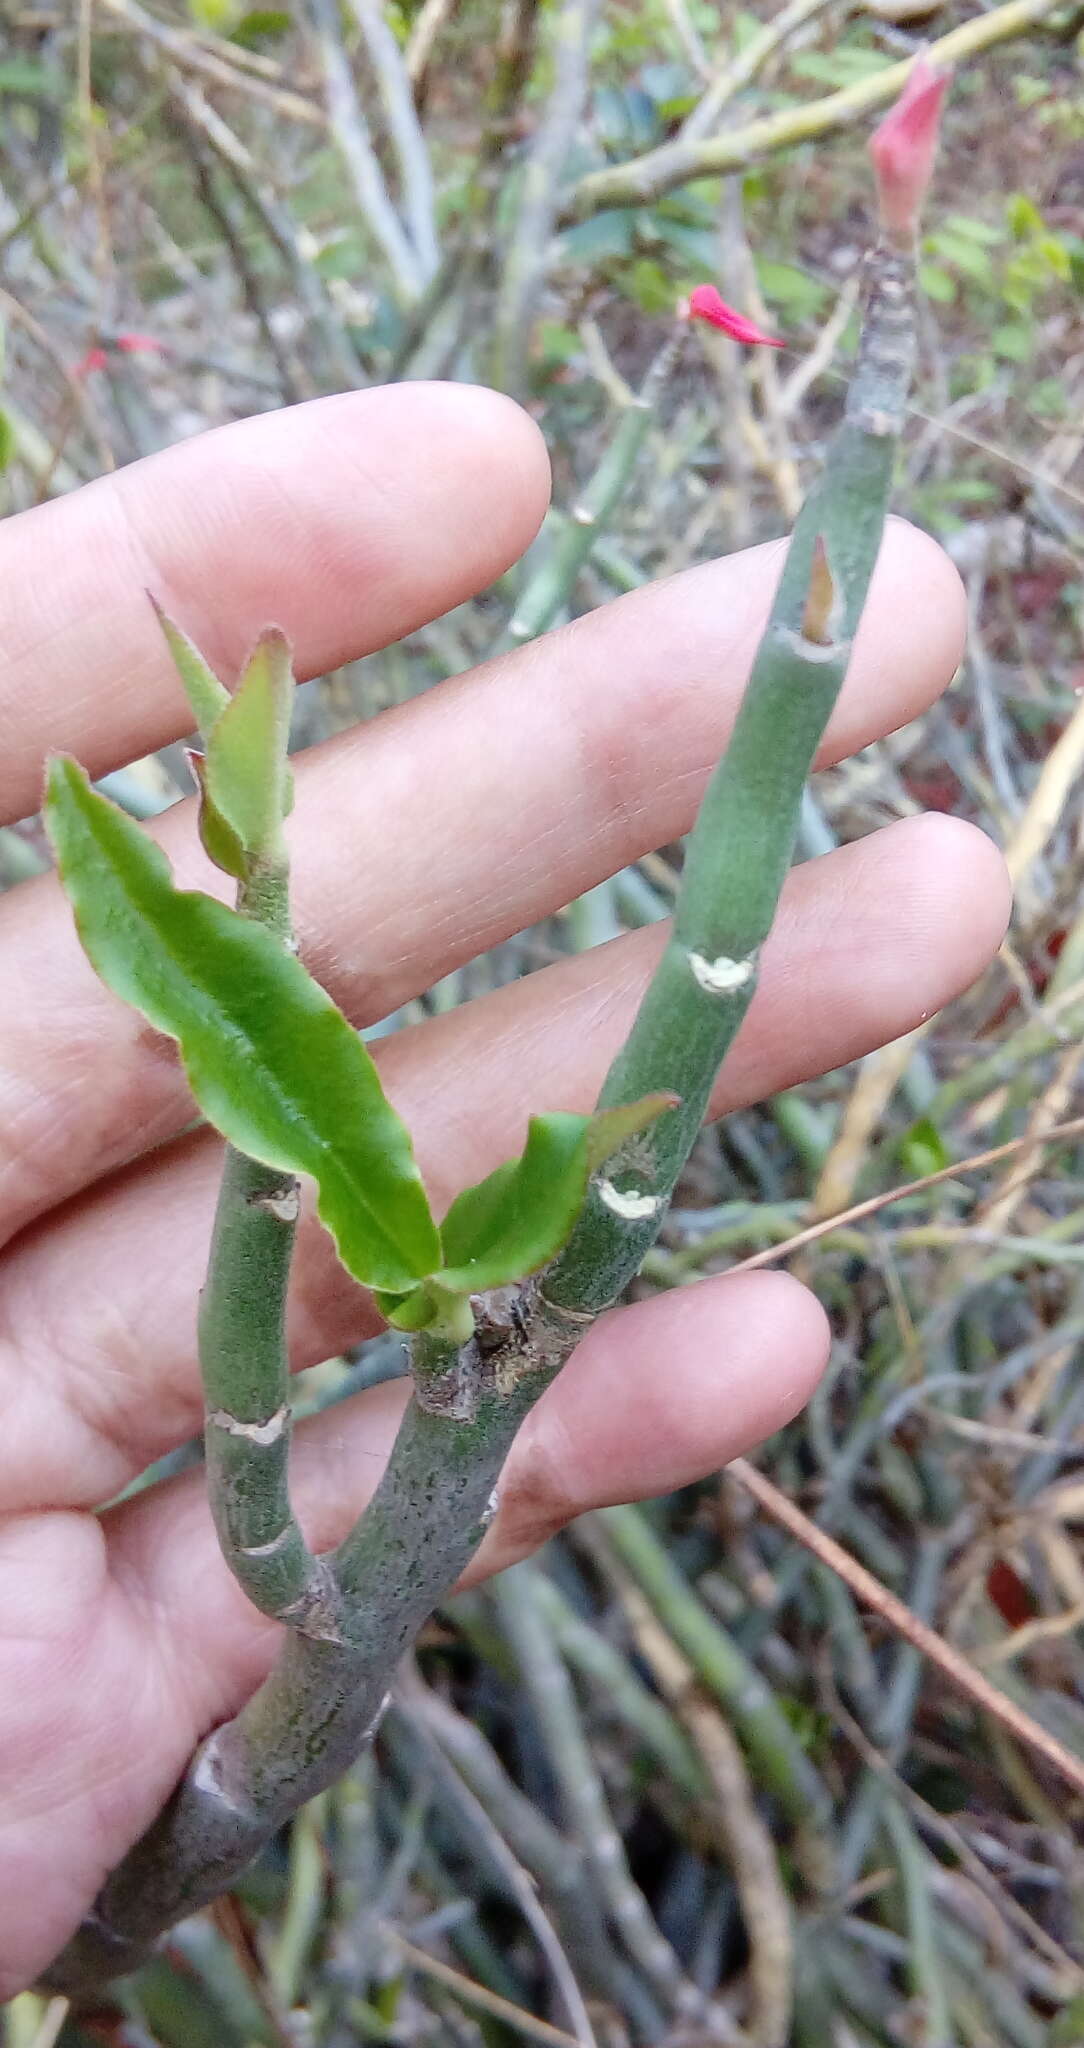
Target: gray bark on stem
322,1702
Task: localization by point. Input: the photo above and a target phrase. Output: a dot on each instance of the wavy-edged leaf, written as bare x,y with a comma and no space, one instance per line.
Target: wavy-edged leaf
247,779
271,1061
207,696
518,1218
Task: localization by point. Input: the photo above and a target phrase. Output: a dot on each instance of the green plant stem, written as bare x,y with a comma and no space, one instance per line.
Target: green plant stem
619,1693
529,241
741,846
404,131
587,1810
569,1956
245,1380
774,1751
351,132
925,1963
551,586
245,1365
502,1828
305,1905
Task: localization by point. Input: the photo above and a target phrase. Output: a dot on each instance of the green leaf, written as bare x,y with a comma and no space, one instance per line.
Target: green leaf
220,841
842,67
1023,216
219,16
936,283
259,23
413,1311
246,776
790,288
648,284
518,1218
963,255
207,696
923,1149
1067,2027
24,79
271,1061
1013,342
973,230
8,441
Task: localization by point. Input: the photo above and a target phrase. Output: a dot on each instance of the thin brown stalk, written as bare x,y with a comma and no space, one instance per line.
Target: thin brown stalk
79,398
997,1212
874,1203
931,1822
820,355
421,42
474,1994
953,1666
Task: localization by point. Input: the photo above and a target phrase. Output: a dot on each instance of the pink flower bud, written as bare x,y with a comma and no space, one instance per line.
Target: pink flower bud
904,146
705,304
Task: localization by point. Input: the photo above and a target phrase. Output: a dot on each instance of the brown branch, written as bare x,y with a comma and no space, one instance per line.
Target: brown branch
953,1666
873,1203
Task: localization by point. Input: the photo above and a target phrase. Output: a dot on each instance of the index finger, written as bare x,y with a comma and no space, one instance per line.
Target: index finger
348,522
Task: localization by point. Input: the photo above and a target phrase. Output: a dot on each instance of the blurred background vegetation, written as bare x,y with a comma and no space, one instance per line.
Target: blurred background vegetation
683,1780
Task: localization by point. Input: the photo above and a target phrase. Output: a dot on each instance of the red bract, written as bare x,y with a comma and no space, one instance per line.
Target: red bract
705,304
904,146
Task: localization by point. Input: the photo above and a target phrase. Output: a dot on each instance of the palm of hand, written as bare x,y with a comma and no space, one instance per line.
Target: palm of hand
418,841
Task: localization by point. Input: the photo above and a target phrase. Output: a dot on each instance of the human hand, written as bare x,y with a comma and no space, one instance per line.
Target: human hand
418,841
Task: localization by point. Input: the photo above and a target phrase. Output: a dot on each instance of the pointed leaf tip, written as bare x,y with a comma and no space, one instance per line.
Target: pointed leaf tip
247,776
207,695
904,146
704,303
